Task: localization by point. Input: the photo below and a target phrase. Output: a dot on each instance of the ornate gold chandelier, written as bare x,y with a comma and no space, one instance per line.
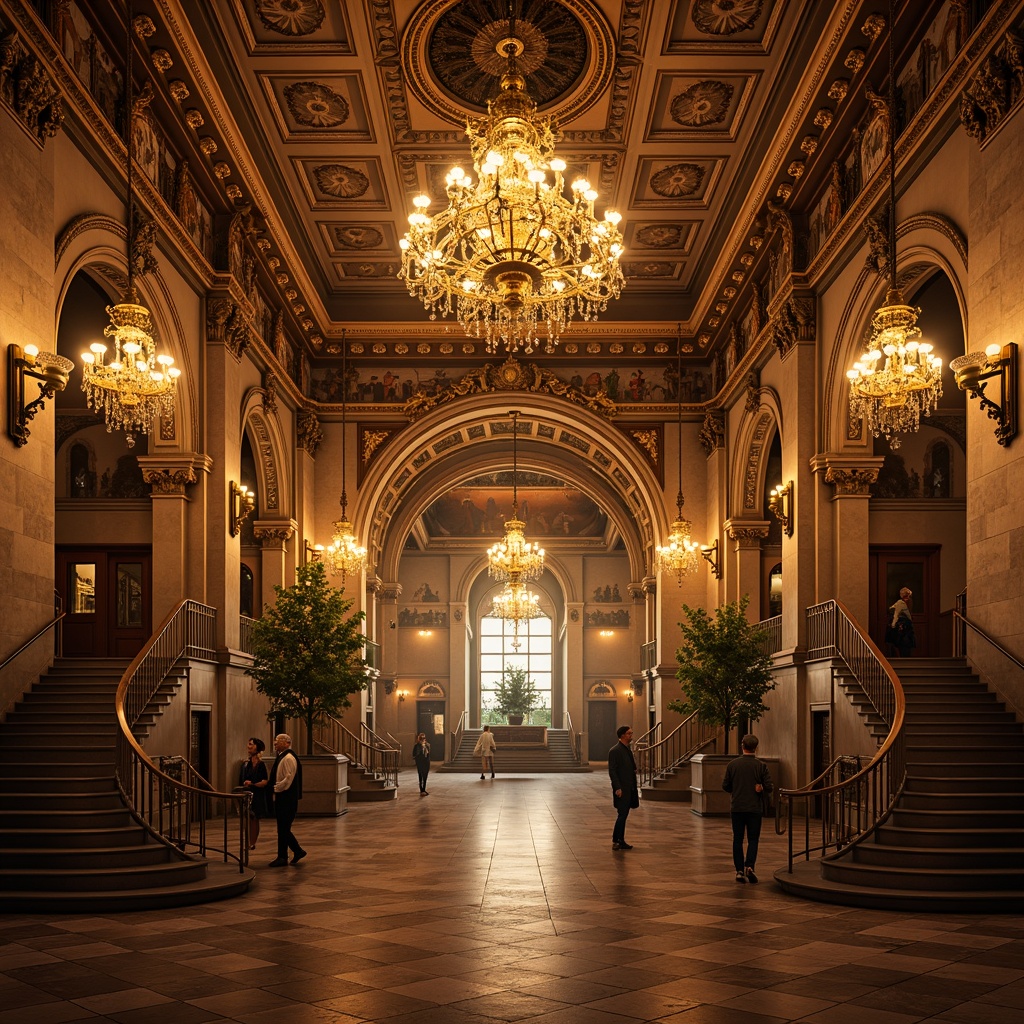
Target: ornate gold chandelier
136,385
680,555
516,604
511,255
514,557
897,380
344,556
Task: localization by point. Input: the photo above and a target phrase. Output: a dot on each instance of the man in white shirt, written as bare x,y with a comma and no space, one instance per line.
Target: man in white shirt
286,785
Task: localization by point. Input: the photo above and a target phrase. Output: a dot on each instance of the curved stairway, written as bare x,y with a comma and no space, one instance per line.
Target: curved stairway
955,839
68,843
512,760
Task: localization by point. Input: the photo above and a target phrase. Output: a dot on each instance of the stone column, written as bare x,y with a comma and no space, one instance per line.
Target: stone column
273,535
385,707
575,688
712,439
744,561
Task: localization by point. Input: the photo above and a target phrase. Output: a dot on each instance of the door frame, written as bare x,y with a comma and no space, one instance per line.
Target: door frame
925,602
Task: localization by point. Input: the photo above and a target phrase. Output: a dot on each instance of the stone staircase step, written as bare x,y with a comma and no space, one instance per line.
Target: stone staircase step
923,767
87,817
929,838
964,784
59,801
58,784
68,753
967,801
924,879
947,818
939,858
73,839
26,769
72,860
131,877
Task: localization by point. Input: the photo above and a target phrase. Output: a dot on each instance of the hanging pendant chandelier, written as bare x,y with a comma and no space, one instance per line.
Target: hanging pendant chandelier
344,556
512,256
135,385
516,604
897,380
514,557
680,555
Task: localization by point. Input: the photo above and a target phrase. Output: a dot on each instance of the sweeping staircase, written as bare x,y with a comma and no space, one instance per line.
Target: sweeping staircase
68,841
954,839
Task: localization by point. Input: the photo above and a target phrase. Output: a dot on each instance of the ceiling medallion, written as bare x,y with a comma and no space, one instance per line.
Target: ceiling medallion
701,104
291,17
726,17
314,105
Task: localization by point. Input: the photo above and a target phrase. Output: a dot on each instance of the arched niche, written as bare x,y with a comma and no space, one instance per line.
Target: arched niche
273,468
748,476
473,436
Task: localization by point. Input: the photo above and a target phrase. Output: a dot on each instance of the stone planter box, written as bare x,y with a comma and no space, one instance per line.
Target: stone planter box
324,786
707,798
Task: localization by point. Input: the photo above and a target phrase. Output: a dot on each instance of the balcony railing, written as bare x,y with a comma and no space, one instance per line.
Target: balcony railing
771,630
371,654
245,625
846,802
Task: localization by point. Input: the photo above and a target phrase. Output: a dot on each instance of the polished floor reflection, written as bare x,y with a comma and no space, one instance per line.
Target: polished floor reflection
490,902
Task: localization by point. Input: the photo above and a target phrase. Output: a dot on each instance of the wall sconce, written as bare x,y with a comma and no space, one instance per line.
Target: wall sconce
781,505
426,632
973,372
607,632
51,370
629,696
709,552
314,552
402,694
243,501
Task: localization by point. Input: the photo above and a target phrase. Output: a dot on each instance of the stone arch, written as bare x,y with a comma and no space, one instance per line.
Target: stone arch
602,689
272,464
747,478
95,244
431,689
925,243
472,434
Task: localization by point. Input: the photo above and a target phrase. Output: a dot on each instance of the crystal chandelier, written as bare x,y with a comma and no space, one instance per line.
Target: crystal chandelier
897,380
344,556
516,604
680,555
135,386
514,557
511,255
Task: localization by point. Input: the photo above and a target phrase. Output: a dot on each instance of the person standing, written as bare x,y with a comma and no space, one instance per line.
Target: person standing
625,791
421,755
286,785
255,780
484,749
748,780
901,628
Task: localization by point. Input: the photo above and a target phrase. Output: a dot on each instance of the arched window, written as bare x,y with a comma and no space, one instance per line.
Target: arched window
245,592
533,654
775,590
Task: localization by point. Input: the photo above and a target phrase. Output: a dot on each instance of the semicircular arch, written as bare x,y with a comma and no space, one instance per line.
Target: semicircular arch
272,467
747,477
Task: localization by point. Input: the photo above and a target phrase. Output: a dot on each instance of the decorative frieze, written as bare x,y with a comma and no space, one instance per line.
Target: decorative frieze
712,431
994,88
849,480
310,433
227,323
28,89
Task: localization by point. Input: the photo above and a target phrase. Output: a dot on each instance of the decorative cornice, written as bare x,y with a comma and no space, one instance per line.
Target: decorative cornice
170,474
28,89
747,533
274,533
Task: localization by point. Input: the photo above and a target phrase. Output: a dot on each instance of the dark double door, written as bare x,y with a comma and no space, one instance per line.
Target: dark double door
916,567
106,595
430,720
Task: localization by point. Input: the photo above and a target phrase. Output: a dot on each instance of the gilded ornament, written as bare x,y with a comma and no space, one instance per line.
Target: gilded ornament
701,104
143,25
838,89
401,349
315,105
178,90
341,181
796,169
446,348
729,293
208,145
873,26
747,259
725,17
639,348
233,192
194,119
677,180
468,348
808,144
222,170
162,61
854,60
721,307
423,348
593,348
784,191
823,118
616,348
291,17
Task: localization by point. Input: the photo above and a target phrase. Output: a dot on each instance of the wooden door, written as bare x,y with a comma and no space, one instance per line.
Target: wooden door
107,599
601,726
430,717
915,566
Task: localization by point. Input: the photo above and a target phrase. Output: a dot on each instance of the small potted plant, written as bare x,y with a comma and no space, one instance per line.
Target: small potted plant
515,695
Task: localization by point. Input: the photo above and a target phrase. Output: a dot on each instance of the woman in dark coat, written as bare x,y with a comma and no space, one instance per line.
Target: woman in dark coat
421,755
255,779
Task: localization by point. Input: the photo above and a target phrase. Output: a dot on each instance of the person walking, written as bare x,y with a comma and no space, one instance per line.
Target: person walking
749,782
256,780
901,629
625,791
286,785
484,749
421,755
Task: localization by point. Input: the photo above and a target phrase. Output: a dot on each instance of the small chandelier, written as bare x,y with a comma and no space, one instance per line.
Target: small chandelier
514,557
344,556
680,555
516,604
136,385
897,380
511,255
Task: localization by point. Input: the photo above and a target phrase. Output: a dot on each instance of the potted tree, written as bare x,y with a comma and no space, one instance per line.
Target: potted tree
307,660
724,673
515,695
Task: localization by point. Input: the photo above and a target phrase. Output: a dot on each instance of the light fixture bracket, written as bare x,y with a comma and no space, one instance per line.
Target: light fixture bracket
709,552
780,504
50,370
241,504
996,364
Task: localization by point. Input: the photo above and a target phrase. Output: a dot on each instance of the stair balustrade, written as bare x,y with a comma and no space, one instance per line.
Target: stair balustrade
656,760
174,811
575,739
990,659
457,736
382,762
838,808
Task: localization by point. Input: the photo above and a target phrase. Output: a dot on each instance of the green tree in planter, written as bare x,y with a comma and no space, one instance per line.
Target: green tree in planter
307,655
516,693
723,669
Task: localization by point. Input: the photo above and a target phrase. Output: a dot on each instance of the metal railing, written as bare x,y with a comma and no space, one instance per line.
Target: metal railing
371,654
649,656
656,760
771,629
367,735
649,738
457,734
245,624
1008,677
55,624
334,737
175,811
838,808
575,738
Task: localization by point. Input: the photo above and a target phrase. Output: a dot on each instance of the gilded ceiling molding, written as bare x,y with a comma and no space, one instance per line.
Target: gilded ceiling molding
28,89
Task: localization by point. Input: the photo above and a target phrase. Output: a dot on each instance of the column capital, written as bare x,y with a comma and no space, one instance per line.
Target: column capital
850,475
649,584
274,533
388,591
169,474
747,533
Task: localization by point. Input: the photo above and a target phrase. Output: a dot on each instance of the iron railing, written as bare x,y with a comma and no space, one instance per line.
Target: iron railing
771,630
839,808
178,812
367,735
656,760
379,763
245,624
997,663
457,734
55,624
575,739
649,656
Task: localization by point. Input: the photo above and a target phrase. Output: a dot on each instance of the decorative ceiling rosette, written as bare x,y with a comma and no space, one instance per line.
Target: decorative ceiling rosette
358,236
314,105
677,180
702,104
341,181
291,17
726,17
660,236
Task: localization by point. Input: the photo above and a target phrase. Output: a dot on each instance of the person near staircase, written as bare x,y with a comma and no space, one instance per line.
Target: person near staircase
256,780
421,755
902,627
749,782
484,749
625,790
286,785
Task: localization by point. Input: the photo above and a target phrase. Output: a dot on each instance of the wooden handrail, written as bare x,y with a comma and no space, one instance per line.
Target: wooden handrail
850,809
176,813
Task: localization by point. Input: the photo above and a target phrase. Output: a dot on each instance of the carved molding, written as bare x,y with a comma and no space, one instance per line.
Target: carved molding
273,533
849,480
27,88
310,433
228,324
994,88
169,475
747,533
712,432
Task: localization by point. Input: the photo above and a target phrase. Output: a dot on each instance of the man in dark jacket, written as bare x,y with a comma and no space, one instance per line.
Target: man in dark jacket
286,785
749,782
625,793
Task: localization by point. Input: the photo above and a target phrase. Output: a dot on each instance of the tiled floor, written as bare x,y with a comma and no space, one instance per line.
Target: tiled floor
502,901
